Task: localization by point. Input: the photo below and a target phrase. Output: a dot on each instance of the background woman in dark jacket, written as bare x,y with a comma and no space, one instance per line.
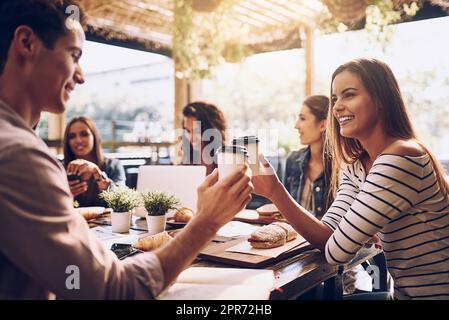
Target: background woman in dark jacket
305,176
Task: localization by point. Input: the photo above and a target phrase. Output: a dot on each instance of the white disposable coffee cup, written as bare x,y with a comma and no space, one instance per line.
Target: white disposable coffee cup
251,143
229,158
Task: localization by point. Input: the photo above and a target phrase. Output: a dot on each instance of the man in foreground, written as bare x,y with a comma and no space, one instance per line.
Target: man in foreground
41,236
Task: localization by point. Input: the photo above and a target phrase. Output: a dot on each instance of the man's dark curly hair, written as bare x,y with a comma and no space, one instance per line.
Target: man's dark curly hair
46,17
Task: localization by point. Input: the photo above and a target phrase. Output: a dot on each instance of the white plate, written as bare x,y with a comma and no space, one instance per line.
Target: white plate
85,210
173,223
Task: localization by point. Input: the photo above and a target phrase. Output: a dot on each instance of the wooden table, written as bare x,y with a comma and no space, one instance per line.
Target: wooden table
297,275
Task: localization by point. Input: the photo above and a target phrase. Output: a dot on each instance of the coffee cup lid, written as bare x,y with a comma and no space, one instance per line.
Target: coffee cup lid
245,140
233,149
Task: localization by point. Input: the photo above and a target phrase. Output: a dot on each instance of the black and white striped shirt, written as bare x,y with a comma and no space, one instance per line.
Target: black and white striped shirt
400,201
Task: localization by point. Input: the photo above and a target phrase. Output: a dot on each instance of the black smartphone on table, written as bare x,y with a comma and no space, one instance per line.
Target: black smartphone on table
123,250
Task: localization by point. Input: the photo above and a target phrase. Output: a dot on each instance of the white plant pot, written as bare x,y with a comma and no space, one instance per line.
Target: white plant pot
156,224
121,221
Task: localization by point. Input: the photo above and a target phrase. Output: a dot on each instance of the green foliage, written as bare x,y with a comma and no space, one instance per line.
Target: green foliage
158,203
121,199
380,15
203,40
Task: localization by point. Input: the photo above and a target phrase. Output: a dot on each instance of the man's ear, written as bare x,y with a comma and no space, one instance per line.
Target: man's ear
25,41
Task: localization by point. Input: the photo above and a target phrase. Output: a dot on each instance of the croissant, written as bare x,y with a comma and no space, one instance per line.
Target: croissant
153,242
89,215
272,235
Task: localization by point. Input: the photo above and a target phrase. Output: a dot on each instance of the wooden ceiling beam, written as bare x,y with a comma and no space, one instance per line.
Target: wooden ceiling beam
152,6
258,8
255,15
242,15
134,32
280,10
301,9
141,16
96,6
275,11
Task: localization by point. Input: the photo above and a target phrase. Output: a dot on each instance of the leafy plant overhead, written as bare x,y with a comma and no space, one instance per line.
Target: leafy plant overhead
203,39
205,35
379,15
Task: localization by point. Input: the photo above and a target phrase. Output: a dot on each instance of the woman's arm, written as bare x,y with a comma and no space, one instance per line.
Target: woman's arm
115,172
268,185
311,228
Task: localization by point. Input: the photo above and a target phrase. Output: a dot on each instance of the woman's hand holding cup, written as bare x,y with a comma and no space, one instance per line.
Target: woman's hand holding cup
267,182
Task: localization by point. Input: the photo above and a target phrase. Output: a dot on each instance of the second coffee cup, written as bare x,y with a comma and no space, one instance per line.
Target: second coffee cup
251,143
230,157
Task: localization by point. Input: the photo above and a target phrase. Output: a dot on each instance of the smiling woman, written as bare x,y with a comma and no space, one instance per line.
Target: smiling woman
388,186
204,132
88,170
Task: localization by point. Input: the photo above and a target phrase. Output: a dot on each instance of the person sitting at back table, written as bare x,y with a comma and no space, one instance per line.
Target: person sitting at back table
304,176
83,157
202,121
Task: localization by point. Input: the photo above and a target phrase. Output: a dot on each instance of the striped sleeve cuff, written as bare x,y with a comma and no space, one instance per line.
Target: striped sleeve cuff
330,223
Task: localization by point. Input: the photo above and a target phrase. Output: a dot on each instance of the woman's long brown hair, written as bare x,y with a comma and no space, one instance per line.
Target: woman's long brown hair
210,116
381,84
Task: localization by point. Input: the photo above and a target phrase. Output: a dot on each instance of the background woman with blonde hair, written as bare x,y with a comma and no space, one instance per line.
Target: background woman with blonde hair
388,185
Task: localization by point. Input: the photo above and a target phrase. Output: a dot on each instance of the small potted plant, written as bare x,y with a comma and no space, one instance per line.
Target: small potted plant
157,205
122,200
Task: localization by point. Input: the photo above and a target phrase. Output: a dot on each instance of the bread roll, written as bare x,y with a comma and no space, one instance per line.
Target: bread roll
257,244
291,233
272,235
269,236
153,242
183,215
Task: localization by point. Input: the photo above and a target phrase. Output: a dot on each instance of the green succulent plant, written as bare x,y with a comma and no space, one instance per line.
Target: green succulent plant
121,199
158,203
